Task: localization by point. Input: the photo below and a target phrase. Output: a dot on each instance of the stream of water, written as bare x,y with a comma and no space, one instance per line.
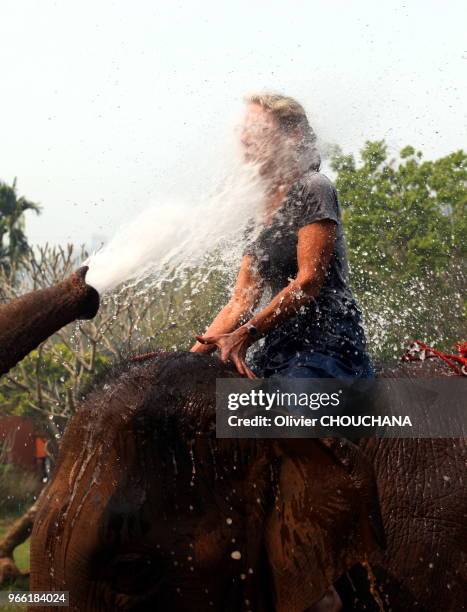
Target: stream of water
163,241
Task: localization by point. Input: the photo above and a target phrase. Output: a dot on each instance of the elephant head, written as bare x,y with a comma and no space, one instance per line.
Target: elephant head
30,319
148,510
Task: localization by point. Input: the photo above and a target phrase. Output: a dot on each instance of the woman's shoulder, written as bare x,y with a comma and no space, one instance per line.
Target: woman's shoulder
317,199
314,180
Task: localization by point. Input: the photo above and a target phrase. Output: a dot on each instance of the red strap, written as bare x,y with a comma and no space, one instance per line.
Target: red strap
419,351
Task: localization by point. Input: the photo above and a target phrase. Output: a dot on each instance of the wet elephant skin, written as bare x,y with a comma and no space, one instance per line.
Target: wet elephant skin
423,498
149,511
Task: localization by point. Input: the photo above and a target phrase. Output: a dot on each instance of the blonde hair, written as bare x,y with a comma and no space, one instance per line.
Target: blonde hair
290,116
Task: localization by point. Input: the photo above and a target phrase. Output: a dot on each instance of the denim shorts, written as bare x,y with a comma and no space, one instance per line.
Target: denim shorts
311,351
314,364
317,365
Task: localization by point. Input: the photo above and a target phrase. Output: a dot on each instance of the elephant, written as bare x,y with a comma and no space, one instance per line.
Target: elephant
148,510
423,501
30,319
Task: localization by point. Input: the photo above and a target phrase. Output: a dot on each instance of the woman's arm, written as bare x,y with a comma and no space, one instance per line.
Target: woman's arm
245,297
314,251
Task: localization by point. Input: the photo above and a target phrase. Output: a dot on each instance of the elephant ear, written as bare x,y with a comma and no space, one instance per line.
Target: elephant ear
325,518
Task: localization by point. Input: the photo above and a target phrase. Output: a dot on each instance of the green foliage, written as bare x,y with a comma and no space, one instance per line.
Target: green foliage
13,241
405,224
52,367
187,306
49,383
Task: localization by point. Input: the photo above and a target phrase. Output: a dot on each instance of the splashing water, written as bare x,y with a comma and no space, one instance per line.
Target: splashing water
167,239
174,238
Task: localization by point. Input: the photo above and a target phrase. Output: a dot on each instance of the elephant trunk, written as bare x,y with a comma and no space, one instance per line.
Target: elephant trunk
30,319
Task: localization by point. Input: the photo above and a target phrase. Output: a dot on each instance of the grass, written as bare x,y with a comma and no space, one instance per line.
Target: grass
14,607
14,500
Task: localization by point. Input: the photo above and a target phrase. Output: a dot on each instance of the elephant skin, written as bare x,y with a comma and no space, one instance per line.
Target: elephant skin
30,319
148,510
423,499
424,506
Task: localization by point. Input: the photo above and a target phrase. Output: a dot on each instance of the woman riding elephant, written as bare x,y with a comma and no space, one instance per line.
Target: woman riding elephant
312,324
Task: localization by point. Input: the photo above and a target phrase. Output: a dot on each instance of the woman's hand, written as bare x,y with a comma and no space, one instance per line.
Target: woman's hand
203,348
233,347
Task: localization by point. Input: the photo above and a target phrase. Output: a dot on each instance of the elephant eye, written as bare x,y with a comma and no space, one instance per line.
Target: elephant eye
133,573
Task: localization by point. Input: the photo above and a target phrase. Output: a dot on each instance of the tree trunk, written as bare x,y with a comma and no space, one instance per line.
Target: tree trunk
19,531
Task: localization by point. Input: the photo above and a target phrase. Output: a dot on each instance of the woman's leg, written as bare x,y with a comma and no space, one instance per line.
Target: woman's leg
317,365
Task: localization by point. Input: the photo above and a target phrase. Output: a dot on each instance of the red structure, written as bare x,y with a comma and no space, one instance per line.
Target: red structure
19,442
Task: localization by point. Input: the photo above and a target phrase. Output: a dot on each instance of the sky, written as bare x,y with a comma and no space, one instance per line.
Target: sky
110,107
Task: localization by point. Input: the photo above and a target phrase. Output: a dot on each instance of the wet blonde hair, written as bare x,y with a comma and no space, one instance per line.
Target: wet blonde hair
290,116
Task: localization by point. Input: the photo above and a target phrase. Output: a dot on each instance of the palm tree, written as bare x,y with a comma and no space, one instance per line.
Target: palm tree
13,241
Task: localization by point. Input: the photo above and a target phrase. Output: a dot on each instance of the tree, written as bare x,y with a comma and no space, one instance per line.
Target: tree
13,241
49,383
406,229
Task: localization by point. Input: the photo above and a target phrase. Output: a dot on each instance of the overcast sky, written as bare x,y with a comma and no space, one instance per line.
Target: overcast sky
107,107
